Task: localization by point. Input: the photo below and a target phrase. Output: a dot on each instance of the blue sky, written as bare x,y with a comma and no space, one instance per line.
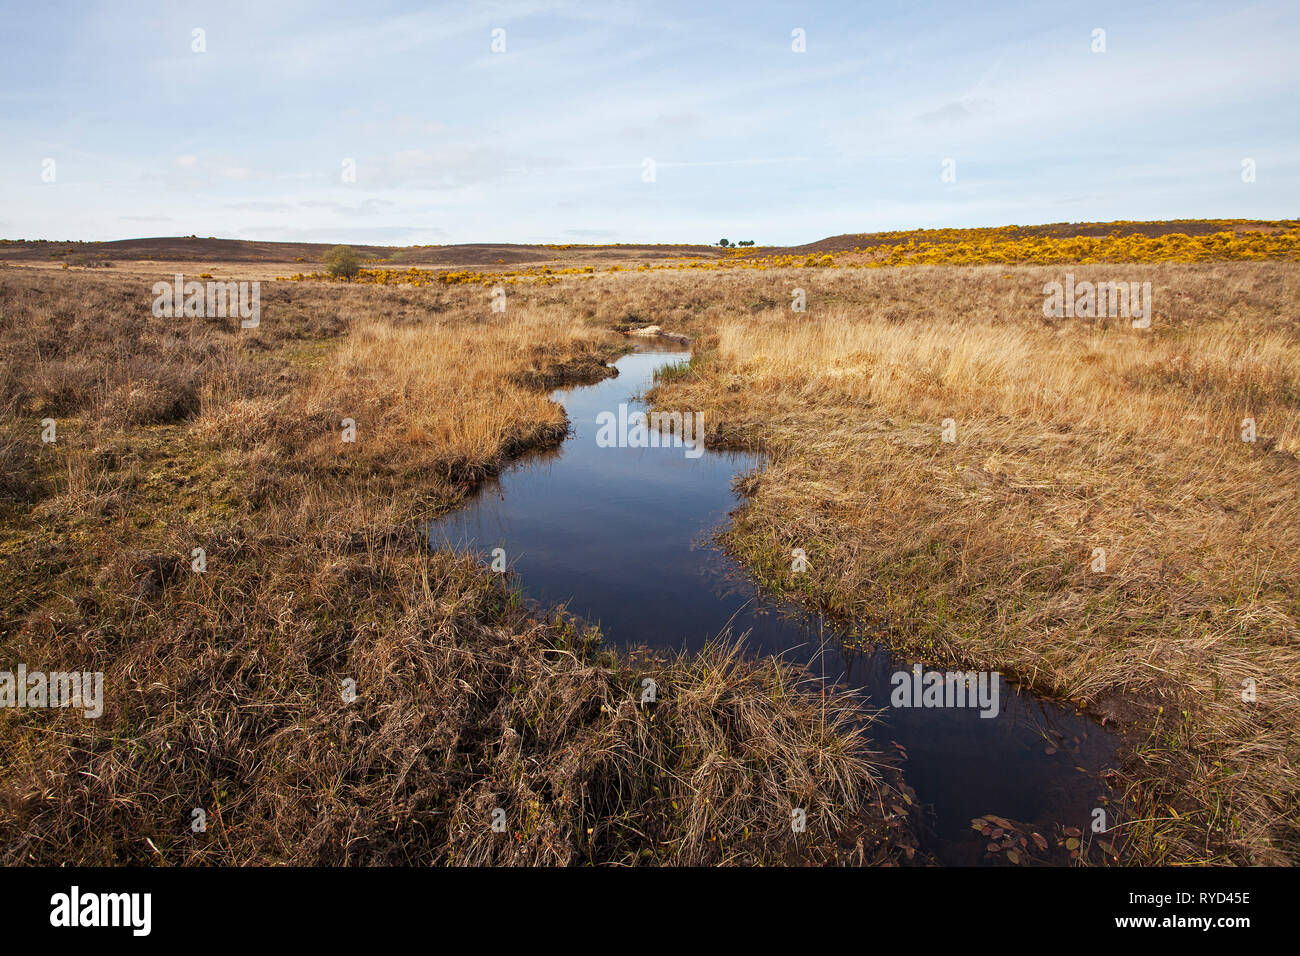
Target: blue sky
546,141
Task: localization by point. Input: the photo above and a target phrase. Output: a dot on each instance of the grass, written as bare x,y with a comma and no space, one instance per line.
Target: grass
1071,436
227,690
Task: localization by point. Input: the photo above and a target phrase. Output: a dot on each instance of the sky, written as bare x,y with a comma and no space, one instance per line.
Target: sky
398,123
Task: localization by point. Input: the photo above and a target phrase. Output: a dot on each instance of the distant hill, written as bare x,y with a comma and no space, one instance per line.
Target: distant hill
191,249
310,254
1055,230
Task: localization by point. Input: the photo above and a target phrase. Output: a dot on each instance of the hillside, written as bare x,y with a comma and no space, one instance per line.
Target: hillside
192,249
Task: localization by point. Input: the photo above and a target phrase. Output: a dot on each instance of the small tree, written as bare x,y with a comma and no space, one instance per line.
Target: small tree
723,242
342,262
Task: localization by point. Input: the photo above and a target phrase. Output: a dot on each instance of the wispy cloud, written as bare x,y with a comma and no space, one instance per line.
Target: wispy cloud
449,140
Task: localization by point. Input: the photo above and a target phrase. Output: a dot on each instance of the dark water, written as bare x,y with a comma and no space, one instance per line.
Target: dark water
622,537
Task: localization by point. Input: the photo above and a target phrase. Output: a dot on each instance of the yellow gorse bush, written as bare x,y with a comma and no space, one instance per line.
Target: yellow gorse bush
984,246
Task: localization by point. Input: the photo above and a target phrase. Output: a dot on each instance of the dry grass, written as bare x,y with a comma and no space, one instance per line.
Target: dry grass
224,689
465,388
228,696
1072,435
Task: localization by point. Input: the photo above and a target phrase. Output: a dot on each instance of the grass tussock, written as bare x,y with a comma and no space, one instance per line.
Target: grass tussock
454,386
1072,436
229,691
230,696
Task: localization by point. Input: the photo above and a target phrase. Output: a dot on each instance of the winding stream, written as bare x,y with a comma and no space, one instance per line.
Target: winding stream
622,536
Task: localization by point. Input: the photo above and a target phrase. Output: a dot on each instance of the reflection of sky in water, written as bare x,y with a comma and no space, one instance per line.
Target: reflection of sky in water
621,535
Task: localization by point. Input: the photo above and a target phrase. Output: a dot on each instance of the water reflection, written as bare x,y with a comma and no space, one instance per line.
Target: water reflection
622,537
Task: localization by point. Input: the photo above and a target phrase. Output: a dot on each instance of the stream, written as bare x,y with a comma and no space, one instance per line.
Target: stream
623,537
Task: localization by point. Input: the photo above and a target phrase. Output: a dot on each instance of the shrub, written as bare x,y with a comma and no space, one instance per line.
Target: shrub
342,262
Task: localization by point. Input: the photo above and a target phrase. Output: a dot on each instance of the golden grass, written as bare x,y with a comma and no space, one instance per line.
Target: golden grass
1195,388
1072,435
456,385
223,689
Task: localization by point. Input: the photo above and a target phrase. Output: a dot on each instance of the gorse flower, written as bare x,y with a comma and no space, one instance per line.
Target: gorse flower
1003,245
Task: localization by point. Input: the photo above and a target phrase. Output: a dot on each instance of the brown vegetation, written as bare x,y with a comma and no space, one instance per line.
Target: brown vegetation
1071,435
225,690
